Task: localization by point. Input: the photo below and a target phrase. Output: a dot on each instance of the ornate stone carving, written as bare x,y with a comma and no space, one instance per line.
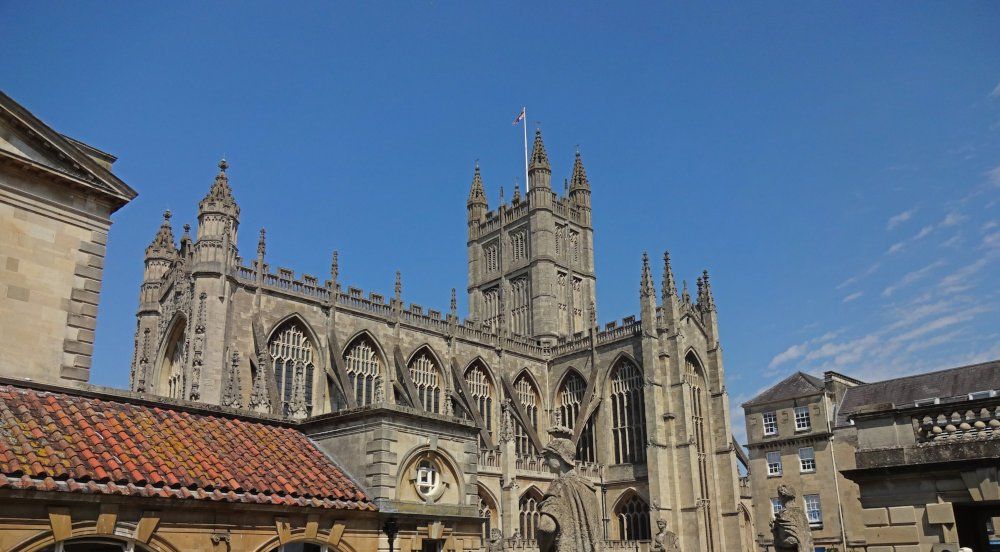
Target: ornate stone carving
259,400
231,393
506,433
791,525
140,384
198,349
496,541
298,408
569,520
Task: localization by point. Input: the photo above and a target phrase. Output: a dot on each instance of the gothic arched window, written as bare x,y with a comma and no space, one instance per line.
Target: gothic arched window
628,413
528,513
528,397
428,380
364,372
172,369
695,376
487,511
481,387
520,306
633,519
294,367
570,399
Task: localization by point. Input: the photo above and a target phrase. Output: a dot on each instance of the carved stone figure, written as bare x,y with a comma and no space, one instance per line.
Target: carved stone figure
569,520
664,541
791,526
496,541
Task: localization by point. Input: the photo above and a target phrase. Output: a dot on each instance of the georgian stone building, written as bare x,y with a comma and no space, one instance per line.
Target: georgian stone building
388,389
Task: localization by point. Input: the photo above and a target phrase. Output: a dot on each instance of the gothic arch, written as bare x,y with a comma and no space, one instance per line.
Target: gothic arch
532,401
306,327
362,391
527,512
631,514
489,510
298,535
488,403
570,402
489,369
314,371
623,355
699,366
526,373
625,391
88,530
433,388
175,336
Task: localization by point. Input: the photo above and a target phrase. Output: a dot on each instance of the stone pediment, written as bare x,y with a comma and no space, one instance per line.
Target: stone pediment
27,141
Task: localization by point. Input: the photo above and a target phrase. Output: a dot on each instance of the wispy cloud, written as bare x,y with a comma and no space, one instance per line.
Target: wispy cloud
995,94
853,296
896,248
789,354
896,220
958,280
857,278
912,277
994,176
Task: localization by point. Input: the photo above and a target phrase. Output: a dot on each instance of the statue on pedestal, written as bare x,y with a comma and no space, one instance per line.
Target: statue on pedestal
664,541
791,525
496,541
570,514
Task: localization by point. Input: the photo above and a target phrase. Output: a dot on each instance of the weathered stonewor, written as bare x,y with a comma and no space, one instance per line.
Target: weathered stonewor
791,526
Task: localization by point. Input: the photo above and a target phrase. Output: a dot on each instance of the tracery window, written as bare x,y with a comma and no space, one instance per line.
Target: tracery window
574,245
293,353
633,519
427,378
560,232
492,253
364,372
528,513
698,384
578,304
520,313
487,512
528,397
628,413
173,363
481,388
491,307
570,403
519,244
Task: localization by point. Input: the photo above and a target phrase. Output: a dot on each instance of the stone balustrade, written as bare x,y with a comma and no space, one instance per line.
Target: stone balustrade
959,424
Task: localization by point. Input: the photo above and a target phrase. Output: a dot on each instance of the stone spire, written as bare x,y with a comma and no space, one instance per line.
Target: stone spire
539,170
477,194
398,288
517,194
646,289
162,246
334,269
453,304
669,285
578,182
220,196
685,296
261,244
705,299
231,392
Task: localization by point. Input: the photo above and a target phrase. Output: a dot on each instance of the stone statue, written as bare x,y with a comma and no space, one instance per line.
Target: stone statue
496,541
664,541
790,525
570,515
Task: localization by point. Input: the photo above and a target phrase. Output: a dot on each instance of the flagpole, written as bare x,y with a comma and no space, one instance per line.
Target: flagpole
524,124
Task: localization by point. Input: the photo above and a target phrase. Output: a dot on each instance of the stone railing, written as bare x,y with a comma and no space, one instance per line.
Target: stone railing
588,469
489,458
953,425
630,327
531,463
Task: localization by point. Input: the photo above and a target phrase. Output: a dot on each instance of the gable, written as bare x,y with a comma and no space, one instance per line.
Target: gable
26,140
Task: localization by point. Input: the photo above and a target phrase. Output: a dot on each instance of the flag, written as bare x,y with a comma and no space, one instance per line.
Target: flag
520,117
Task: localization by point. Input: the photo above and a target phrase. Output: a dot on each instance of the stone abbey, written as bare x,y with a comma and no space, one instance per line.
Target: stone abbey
447,415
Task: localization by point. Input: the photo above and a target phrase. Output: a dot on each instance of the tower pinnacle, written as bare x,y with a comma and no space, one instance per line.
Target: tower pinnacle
669,285
539,170
162,246
646,288
477,195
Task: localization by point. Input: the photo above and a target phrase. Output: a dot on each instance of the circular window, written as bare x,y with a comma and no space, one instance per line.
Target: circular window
428,479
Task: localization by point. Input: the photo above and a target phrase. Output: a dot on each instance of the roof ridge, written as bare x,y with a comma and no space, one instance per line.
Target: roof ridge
933,372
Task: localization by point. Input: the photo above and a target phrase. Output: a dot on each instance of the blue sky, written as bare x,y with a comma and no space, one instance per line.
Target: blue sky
835,165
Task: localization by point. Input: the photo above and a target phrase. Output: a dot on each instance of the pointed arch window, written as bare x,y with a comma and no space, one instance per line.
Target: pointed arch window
520,303
633,519
364,371
172,370
695,375
528,514
481,388
571,396
528,396
294,367
628,413
487,511
427,378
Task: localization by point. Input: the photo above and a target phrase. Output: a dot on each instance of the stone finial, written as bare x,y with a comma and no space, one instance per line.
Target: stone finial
334,267
453,304
398,289
685,296
646,289
477,193
593,314
517,193
220,196
223,165
669,285
706,300
261,244
231,393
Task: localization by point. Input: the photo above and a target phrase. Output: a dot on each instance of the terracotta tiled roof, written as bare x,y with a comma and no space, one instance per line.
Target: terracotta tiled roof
54,441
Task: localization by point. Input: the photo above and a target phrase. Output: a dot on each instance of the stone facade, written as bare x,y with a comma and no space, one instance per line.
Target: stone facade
926,459
56,198
645,397
791,439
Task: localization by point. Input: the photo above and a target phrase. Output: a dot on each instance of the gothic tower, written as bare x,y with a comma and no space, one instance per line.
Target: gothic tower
531,262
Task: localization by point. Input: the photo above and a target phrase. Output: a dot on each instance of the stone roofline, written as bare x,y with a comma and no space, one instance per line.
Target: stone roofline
511,213
922,406
831,375
307,287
